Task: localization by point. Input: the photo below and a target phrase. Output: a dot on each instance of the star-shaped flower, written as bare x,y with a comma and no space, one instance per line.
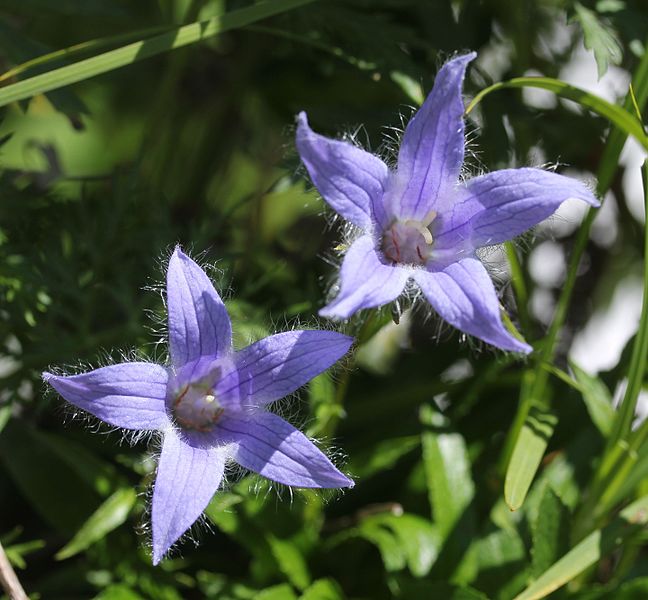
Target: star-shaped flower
210,404
421,221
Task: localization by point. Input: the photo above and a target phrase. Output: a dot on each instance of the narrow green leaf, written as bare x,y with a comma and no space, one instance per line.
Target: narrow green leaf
5,415
291,562
447,471
598,399
590,550
599,38
136,51
550,532
110,515
16,552
382,456
617,115
527,454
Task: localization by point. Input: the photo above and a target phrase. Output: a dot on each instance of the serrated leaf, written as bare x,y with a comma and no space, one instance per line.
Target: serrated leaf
110,515
598,399
550,532
589,551
291,562
527,454
599,38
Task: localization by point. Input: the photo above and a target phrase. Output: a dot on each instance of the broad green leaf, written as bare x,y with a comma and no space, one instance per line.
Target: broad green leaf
598,399
323,589
403,540
110,515
447,471
501,559
136,51
291,562
550,532
618,116
527,455
590,550
599,38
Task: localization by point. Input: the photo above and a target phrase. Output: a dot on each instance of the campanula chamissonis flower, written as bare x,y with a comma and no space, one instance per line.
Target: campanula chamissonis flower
210,403
422,221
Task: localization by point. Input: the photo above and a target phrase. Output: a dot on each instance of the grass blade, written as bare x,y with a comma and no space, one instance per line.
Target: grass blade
617,115
131,53
589,551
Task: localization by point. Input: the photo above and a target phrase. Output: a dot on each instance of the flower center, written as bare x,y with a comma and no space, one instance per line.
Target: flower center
196,407
408,242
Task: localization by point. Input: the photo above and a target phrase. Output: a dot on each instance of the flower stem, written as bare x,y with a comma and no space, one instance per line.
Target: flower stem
9,579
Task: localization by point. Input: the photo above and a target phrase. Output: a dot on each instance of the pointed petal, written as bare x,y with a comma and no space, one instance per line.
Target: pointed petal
463,294
268,445
432,150
280,364
365,282
501,205
187,478
128,395
351,180
198,322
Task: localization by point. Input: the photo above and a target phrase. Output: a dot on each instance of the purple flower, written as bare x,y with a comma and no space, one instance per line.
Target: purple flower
210,404
421,221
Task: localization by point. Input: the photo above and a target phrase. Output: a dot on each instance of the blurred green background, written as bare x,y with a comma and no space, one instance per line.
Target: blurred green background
98,182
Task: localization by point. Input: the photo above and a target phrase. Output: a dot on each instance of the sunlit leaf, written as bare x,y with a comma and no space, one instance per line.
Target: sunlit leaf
527,455
590,550
600,38
136,51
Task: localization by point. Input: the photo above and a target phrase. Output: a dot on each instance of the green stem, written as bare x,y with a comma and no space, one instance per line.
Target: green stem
519,286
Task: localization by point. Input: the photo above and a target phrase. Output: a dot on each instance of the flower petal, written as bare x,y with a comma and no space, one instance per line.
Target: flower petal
198,321
128,395
432,150
268,445
187,478
279,364
365,282
501,205
463,294
351,180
